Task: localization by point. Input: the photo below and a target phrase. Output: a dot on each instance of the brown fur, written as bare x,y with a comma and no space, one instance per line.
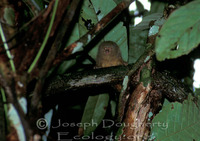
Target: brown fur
109,55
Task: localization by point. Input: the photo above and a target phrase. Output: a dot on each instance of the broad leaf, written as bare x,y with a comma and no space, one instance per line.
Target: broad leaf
94,112
177,121
180,34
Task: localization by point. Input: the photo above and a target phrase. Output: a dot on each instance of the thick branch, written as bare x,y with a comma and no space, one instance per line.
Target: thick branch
146,57
136,116
109,76
86,79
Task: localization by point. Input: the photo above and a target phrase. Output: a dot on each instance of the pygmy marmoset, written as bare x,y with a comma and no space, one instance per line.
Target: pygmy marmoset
109,55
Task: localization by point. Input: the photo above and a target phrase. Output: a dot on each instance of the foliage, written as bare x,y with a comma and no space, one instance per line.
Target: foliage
179,35
177,121
94,112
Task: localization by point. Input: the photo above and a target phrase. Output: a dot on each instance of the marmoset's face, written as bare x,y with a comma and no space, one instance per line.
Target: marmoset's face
109,48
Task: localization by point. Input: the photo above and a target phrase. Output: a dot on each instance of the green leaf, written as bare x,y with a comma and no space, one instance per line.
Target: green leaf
113,105
9,16
157,6
177,121
94,112
180,34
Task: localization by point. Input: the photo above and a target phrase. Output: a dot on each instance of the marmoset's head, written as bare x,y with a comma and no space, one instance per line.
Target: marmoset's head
108,55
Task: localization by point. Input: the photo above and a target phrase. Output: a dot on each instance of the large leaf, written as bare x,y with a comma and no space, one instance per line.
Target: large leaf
92,11
94,112
180,34
177,121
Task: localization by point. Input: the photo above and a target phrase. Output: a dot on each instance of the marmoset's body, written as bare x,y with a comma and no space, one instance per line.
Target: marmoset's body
109,55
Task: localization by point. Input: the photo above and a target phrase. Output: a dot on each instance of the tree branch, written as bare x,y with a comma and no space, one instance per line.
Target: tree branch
149,52
110,76
86,79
